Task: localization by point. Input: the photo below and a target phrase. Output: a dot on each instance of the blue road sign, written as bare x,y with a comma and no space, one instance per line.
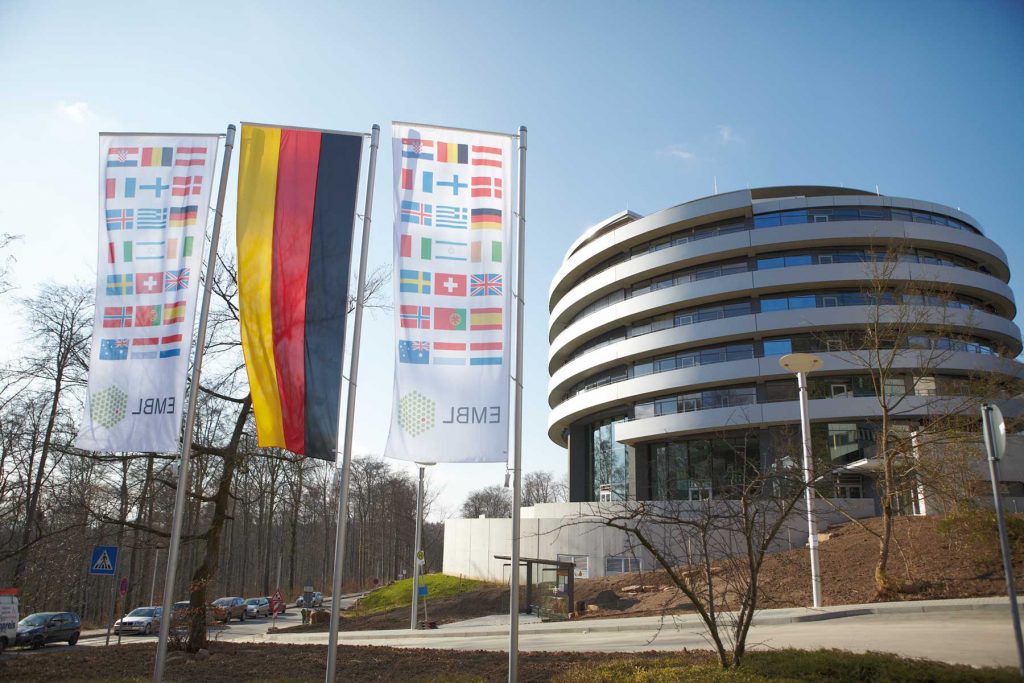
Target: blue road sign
104,560
423,590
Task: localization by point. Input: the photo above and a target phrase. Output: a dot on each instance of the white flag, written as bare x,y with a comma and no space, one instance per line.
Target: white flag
154,200
453,217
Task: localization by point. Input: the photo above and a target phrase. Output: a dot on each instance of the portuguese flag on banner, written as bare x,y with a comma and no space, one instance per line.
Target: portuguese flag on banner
296,210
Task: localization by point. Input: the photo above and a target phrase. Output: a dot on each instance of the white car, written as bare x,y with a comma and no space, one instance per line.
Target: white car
8,618
144,620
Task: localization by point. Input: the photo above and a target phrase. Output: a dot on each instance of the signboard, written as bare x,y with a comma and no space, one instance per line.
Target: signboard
423,591
421,557
104,560
122,588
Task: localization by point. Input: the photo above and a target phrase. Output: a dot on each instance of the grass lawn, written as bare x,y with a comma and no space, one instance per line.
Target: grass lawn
399,593
836,666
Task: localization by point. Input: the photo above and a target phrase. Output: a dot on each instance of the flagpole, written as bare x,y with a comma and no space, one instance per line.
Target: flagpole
186,441
350,414
517,435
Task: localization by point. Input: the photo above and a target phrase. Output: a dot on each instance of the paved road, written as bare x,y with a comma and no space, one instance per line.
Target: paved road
973,632
249,630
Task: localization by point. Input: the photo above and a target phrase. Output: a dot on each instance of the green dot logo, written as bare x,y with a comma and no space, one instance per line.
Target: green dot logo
416,413
109,407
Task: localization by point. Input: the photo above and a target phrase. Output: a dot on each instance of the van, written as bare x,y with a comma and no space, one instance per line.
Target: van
8,617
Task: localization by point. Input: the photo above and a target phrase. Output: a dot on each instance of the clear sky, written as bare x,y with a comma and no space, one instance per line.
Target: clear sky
639,105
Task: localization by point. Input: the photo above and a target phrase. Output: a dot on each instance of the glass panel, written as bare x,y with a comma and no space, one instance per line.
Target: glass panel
771,262
794,217
769,305
767,220
804,301
798,260
777,347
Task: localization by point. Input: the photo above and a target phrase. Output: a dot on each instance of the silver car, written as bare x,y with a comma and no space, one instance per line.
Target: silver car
257,607
144,620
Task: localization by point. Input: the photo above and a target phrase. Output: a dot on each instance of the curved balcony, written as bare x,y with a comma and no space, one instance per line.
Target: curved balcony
696,378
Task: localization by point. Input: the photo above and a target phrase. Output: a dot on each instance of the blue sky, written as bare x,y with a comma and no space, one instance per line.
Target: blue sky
637,104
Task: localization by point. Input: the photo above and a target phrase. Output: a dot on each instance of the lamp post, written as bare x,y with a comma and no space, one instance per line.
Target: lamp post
417,552
801,364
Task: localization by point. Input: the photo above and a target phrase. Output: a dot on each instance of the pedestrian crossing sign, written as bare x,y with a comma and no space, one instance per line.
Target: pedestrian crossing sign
104,560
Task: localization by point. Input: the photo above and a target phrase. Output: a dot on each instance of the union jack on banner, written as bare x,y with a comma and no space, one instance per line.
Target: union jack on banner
487,284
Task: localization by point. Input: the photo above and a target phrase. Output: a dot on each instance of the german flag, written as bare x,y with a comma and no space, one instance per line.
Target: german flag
296,209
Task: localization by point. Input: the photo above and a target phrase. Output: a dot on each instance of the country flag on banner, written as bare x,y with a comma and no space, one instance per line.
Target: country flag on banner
117,316
190,156
486,284
297,193
413,352
149,283
485,186
452,153
149,348
456,217
151,219
113,349
142,178
414,281
120,285
415,148
176,280
452,319
120,188
484,155
123,157
486,353
174,313
451,250
452,214
450,284
120,219
157,156
423,183
414,317
486,250
417,213
486,219
148,316
183,186
449,353
485,319
183,216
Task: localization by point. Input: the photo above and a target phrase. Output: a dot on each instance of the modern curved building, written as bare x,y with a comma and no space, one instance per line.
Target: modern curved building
666,332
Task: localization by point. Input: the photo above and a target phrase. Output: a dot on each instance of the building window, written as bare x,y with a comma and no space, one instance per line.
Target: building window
609,461
621,565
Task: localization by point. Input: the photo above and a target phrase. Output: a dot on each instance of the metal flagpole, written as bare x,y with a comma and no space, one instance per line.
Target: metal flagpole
416,551
350,414
193,396
517,436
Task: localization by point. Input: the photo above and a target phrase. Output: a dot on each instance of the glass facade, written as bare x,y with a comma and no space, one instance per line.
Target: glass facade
699,469
777,219
608,461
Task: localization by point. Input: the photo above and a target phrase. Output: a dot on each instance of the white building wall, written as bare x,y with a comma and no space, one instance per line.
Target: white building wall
553,529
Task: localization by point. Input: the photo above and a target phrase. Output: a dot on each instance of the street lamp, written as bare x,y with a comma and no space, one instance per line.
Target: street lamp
418,557
801,364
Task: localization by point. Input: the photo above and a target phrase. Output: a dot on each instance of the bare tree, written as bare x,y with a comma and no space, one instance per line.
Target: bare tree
713,549
912,330
492,501
541,487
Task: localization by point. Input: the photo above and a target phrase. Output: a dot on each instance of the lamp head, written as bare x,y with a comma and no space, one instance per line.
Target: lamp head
800,362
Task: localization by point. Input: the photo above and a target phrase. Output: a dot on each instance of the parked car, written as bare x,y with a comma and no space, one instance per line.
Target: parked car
144,620
36,630
226,609
317,601
257,607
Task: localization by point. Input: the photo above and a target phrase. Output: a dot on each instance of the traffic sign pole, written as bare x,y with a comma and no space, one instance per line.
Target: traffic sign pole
994,430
